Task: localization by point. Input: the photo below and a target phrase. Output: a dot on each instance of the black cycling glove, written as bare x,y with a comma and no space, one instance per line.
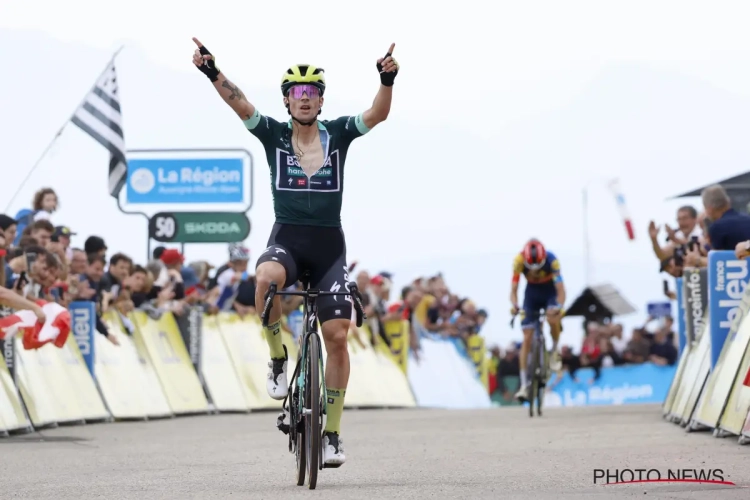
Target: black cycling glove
208,67
387,78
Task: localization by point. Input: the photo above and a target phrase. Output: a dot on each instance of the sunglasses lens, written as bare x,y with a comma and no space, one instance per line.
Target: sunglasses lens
299,90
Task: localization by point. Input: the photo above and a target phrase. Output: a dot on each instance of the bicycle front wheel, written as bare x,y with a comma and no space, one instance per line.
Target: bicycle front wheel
533,375
312,409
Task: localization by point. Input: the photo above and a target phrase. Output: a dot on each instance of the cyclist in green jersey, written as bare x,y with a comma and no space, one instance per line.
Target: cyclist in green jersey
306,158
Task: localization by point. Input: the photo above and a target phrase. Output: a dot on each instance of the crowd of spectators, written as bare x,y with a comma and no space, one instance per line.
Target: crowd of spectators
38,261
426,304
717,227
603,345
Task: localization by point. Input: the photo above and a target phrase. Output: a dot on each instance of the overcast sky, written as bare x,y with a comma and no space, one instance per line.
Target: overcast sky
501,116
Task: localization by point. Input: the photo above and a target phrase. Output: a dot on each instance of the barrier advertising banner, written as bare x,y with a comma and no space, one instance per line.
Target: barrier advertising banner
727,281
694,300
722,377
681,311
83,319
646,383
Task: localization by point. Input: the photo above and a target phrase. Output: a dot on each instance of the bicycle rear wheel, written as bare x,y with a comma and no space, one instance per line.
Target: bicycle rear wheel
300,448
312,407
541,374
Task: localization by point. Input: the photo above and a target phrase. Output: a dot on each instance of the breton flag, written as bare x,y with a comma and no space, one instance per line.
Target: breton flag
35,334
100,117
614,186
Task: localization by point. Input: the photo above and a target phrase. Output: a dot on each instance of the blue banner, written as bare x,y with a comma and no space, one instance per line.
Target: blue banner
659,309
185,180
83,319
681,337
727,279
630,384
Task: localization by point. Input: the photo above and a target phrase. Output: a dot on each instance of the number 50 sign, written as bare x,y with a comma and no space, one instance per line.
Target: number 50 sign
199,227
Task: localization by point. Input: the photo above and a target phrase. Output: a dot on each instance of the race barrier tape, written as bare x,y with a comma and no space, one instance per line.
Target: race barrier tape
710,390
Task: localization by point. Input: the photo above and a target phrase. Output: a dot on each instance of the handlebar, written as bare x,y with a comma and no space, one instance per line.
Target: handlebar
312,293
542,313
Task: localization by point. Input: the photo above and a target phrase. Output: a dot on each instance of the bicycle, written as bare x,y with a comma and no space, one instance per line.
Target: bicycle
307,405
537,369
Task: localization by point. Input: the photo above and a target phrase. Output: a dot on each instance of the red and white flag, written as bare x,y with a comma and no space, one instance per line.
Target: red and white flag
614,186
35,334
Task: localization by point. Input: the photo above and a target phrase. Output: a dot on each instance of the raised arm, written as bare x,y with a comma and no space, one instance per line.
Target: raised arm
381,106
231,93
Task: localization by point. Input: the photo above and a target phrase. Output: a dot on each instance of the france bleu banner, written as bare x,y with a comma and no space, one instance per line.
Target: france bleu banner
680,314
727,279
83,318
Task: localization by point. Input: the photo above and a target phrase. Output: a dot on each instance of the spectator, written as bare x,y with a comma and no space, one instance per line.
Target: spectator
139,285
728,227
610,356
591,351
662,352
507,367
481,319
42,231
638,348
45,203
95,245
8,226
78,262
92,278
688,227
62,235
570,363
117,273
229,277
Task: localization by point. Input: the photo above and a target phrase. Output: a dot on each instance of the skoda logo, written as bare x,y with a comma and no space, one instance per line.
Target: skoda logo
142,181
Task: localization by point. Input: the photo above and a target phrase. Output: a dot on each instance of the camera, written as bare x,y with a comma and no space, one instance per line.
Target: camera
679,255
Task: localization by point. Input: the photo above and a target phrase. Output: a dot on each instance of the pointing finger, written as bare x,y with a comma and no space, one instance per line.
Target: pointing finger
197,42
390,51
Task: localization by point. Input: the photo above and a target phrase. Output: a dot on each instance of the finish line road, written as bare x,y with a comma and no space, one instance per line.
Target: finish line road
392,454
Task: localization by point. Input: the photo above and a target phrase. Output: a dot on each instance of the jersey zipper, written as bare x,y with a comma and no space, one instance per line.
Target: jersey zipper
324,142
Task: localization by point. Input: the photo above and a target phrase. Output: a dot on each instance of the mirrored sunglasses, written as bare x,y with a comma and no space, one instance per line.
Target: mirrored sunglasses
299,90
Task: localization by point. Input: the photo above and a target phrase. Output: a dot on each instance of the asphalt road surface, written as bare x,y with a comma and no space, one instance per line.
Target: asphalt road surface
392,454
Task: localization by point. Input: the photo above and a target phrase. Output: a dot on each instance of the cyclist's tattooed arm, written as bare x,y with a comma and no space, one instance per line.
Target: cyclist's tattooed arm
233,96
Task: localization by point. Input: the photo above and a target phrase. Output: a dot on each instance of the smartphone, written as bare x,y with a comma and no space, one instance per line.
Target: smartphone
666,287
30,259
22,281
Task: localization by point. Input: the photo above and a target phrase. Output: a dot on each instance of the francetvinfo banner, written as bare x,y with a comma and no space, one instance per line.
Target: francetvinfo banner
695,299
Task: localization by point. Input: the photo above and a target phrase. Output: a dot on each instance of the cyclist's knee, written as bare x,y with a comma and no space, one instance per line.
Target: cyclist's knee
335,334
267,273
527,334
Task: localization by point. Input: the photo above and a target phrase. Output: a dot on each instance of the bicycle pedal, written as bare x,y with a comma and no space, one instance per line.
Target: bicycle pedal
280,423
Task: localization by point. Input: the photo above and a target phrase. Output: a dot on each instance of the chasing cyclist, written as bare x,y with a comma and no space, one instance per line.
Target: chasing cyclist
544,289
306,158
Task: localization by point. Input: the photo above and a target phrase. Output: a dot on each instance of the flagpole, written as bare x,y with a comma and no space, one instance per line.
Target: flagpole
586,242
59,132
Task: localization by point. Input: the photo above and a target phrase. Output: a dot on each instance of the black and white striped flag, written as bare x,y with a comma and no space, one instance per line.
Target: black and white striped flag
100,117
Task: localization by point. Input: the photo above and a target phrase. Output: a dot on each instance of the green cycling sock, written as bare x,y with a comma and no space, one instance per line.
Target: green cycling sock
334,409
273,337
